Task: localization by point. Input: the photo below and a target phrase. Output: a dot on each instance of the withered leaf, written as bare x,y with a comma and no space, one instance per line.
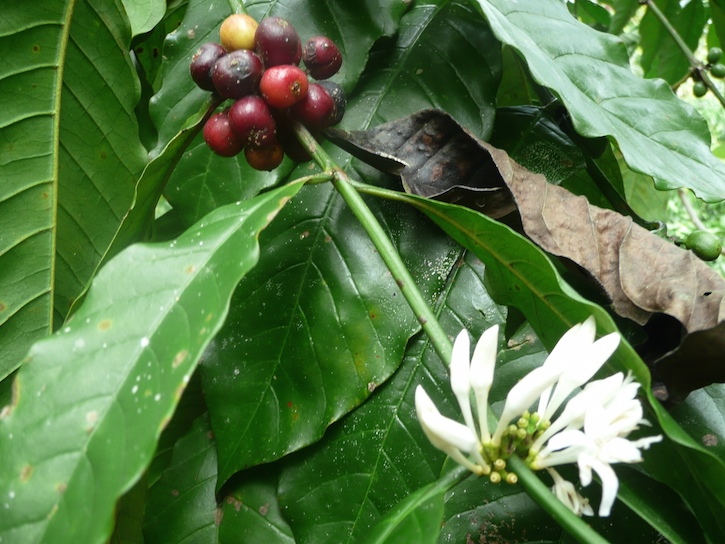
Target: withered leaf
435,158
641,273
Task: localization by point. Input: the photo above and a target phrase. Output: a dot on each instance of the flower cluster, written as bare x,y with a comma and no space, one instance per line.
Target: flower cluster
591,429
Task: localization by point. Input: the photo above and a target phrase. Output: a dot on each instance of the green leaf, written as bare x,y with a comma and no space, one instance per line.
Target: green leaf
445,57
660,506
378,454
144,15
418,517
70,156
251,511
182,506
624,10
661,57
91,400
658,134
314,328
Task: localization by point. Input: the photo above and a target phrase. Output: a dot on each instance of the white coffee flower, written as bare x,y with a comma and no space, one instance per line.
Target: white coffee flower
590,431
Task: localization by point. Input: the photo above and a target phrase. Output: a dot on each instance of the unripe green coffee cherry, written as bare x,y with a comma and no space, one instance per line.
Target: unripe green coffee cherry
704,244
699,89
718,70
714,55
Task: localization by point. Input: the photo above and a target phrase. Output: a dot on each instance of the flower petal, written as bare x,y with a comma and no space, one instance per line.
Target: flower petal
483,365
460,376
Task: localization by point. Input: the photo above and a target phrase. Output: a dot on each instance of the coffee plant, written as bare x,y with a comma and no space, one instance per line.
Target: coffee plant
247,249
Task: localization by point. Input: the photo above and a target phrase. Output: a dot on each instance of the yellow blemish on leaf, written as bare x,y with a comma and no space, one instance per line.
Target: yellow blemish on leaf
61,487
179,358
190,269
104,325
26,472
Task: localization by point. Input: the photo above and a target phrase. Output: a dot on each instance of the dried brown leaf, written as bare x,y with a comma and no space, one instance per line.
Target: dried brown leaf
641,273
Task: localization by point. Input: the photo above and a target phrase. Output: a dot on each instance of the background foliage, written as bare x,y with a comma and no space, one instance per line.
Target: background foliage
193,351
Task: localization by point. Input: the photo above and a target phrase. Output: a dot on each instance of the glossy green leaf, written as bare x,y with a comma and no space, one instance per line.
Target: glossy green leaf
182,505
325,280
337,330
658,134
138,222
144,15
378,455
91,400
70,156
418,517
661,57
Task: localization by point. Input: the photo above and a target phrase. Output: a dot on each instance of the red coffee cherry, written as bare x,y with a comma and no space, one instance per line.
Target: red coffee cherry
277,42
203,61
282,86
317,109
321,57
219,136
252,121
237,74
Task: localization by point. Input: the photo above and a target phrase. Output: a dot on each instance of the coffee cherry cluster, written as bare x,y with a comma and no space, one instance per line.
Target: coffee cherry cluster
257,66
716,68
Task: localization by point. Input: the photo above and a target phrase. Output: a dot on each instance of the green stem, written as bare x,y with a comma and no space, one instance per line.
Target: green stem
573,524
697,66
382,243
237,6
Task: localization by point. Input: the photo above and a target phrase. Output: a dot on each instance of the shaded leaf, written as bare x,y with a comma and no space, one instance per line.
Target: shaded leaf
144,15
377,455
661,56
251,512
418,517
60,202
661,507
339,326
533,139
658,134
182,505
138,221
90,402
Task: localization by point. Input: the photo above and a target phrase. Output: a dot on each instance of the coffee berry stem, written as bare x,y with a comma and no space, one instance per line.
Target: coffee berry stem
382,243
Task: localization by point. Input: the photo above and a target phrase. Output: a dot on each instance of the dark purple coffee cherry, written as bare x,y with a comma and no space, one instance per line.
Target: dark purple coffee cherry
252,121
337,93
264,158
219,136
317,109
321,57
237,74
277,42
203,61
